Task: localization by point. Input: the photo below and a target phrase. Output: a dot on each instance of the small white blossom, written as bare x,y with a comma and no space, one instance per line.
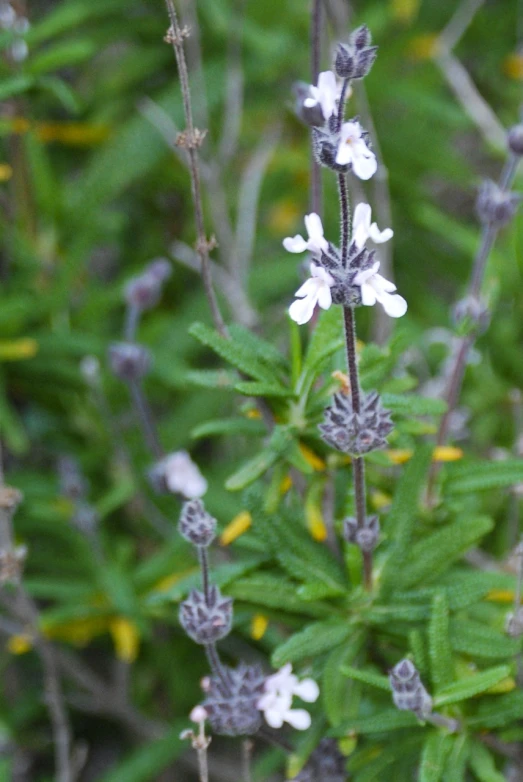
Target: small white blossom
375,288
363,229
315,290
316,243
182,475
326,94
353,149
277,701
198,714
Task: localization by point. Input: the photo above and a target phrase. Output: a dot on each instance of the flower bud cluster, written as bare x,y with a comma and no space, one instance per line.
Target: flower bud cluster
408,693
355,59
366,538
196,525
327,142
231,700
356,433
326,764
206,618
143,292
496,207
129,361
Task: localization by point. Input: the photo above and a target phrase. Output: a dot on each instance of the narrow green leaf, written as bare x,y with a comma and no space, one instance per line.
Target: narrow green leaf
146,763
326,338
15,85
235,352
471,686
482,476
367,677
435,752
440,652
259,347
335,687
501,711
275,592
251,470
456,767
262,389
312,640
399,523
479,640
413,404
433,555
482,764
391,719
229,426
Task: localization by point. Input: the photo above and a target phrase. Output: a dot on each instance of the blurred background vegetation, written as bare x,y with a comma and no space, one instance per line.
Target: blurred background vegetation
91,191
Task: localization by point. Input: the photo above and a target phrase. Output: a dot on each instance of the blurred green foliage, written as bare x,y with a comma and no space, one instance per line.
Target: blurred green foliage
90,192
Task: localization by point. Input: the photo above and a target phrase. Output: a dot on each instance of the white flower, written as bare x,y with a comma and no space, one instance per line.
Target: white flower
316,241
277,701
315,290
353,149
363,229
182,475
375,288
326,94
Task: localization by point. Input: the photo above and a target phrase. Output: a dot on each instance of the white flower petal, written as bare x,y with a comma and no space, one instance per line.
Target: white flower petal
273,718
364,165
310,103
324,297
366,274
314,226
309,288
322,274
361,224
368,295
350,130
307,690
344,154
394,305
301,310
298,718
295,244
377,236
379,283
327,89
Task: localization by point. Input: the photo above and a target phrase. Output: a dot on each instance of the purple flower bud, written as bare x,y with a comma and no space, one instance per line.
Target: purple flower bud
366,538
472,314
515,139
494,206
356,433
231,700
206,622
160,269
361,37
129,361
196,525
408,693
326,764
344,62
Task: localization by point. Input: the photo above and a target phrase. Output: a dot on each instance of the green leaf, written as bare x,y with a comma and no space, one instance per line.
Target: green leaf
367,677
430,557
440,652
63,54
482,764
229,426
456,767
262,389
413,404
471,686
435,752
259,347
15,85
391,719
314,639
326,339
275,592
399,523
482,476
146,763
221,379
335,687
251,470
500,711
479,640
236,353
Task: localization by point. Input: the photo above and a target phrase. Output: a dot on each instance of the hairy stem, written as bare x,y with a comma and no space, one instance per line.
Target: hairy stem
210,649
345,220
316,20
191,144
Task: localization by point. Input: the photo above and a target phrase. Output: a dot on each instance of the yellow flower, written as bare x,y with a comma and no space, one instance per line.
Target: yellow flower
19,644
259,626
237,527
18,349
311,458
126,639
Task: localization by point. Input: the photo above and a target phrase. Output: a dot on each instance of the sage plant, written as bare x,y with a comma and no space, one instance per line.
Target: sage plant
355,423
